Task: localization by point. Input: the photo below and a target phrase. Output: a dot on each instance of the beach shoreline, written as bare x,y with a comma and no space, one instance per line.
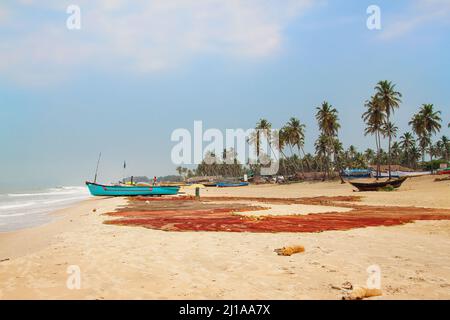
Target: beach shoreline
122,262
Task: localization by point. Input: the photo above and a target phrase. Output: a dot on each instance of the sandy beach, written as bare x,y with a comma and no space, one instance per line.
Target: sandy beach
133,262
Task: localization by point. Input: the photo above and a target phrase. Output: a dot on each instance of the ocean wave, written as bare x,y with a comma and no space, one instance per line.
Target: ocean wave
62,200
11,215
51,192
31,208
17,205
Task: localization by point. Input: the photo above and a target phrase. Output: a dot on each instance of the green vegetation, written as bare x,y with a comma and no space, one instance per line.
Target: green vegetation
330,156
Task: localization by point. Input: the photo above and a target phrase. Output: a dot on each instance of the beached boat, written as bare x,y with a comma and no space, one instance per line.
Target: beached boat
121,190
210,184
231,184
375,186
444,171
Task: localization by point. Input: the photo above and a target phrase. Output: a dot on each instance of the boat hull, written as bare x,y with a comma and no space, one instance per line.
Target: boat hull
227,184
375,186
122,191
445,171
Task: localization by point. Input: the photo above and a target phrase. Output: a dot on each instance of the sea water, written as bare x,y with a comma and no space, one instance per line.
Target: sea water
20,210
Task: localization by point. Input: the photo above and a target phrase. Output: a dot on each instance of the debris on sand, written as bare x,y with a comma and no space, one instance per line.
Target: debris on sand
332,286
362,293
442,179
289,251
347,285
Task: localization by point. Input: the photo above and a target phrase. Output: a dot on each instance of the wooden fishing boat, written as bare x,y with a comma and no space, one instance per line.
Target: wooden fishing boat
210,184
232,184
375,186
121,191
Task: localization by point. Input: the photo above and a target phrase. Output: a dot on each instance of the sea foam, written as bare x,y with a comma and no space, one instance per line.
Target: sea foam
24,209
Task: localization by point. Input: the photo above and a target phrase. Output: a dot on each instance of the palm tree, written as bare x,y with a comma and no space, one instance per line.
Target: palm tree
424,142
262,129
444,147
185,170
266,127
407,143
425,123
327,117
389,130
415,156
351,151
369,155
374,117
328,121
283,140
359,161
322,145
294,132
396,152
338,150
434,151
390,100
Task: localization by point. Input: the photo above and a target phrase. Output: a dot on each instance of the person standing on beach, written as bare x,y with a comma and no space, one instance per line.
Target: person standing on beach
154,180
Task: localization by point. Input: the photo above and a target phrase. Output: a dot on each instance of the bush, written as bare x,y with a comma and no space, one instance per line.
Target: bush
432,165
387,188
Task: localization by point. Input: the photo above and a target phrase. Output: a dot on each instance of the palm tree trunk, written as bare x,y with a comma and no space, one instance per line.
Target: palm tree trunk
389,157
285,162
300,160
291,160
328,164
378,153
307,161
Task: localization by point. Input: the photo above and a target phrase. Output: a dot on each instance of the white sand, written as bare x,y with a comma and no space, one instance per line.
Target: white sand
119,262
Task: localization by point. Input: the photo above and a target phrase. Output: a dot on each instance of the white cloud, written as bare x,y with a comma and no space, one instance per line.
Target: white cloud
144,36
420,13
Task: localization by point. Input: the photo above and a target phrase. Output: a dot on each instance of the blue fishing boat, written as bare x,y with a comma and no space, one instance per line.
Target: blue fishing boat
356,173
124,191
231,184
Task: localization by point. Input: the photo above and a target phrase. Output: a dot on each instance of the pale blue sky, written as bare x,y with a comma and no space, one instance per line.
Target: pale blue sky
137,70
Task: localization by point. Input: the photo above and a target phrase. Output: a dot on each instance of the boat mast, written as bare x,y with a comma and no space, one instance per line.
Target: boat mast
96,170
124,168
